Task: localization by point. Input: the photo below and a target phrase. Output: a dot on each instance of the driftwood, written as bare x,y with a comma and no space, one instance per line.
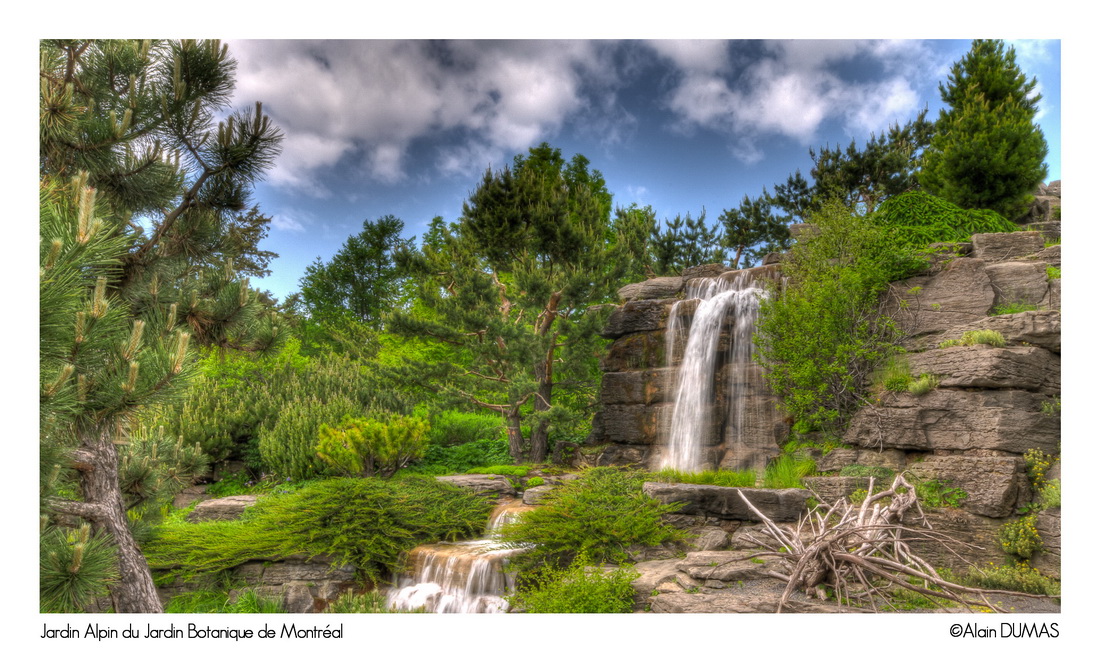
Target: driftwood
862,554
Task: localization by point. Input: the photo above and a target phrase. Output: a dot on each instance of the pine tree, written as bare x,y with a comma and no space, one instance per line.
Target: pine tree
987,152
754,230
509,288
141,269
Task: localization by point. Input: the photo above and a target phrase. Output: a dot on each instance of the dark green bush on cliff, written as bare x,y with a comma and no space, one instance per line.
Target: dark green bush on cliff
821,336
598,516
368,522
917,219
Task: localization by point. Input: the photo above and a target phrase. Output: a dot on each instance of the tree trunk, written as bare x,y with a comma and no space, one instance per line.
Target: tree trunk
134,591
515,435
544,372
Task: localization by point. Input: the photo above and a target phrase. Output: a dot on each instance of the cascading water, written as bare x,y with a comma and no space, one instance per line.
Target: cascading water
461,576
730,300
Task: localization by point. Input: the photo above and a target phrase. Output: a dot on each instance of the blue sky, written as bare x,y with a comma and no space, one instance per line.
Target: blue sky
407,127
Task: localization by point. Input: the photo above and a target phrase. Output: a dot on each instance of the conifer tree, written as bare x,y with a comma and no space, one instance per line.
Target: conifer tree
134,273
509,290
987,151
754,230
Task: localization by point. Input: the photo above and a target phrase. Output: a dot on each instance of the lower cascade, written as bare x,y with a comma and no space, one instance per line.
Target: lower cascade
706,382
460,577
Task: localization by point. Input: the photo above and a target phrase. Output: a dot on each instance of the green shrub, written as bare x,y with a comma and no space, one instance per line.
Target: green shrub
451,427
918,219
440,460
1013,307
1050,496
535,481
722,477
1020,538
983,337
787,471
935,494
1018,577
1053,272
822,336
599,516
894,374
219,601
368,522
379,445
923,385
1038,463
951,342
578,588
289,447
1052,407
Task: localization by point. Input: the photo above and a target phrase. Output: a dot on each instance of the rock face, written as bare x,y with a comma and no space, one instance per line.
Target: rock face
726,503
487,485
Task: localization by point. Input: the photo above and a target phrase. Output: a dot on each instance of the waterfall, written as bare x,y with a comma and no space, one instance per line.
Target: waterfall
461,576
726,305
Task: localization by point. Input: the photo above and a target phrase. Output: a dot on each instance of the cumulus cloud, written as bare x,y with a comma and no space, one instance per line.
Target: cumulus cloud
790,88
362,104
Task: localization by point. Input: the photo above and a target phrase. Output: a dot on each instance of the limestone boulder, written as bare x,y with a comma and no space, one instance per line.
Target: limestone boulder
709,538
1001,247
995,485
1053,300
534,496
726,503
1018,282
834,488
623,455
705,271
657,288
749,600
1049,525
956,296
976,540
486,485
1029,328
982,366
638,316
223,509
955,420
839,458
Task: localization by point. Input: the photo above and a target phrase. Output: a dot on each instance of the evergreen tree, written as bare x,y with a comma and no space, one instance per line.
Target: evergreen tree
142,268
754,230
683,243
987,152
509,289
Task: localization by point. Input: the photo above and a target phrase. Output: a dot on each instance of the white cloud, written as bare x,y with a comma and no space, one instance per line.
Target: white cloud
793,89
696,56
373,99
290,220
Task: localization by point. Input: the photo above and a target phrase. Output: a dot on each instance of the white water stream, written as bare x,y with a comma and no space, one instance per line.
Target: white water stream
734,299
461,576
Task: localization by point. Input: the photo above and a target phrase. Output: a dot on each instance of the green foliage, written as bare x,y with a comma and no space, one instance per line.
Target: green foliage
685,242
223,602
1013,307
451,427
361,281
1020,538
502,470
894,374
1038,464
74,567
439,460
935,494
787,471
986,152
370,602
507,291
289,447
578,588
367,446
535,481
1052,407
369,522
923,384
1053,272
917,219
821,337
599,516
752,230
722,477
1018,577
978,337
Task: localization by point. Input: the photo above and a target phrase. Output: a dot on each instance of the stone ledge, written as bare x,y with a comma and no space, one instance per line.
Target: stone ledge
724,502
